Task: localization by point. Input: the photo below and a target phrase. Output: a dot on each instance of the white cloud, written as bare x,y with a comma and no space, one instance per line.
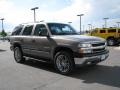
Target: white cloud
4,5
15,15
68,13
116,9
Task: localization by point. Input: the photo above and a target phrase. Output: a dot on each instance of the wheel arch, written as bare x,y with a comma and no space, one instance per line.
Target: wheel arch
16,45
113,41
111,37
62,48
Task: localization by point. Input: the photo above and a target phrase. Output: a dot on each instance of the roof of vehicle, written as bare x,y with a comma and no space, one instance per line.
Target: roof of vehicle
32,23
106,28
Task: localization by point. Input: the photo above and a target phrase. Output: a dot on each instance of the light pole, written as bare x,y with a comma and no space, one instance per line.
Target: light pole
34,12
105,22
2,24
90,27
80,21
118,24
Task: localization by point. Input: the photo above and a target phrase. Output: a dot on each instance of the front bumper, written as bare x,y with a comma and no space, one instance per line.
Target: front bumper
92,58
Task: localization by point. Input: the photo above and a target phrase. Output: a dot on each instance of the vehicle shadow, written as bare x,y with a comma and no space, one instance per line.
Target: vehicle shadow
40,65
101,74
2,50
118,45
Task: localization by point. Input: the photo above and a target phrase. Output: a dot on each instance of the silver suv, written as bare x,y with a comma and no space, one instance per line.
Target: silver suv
57,43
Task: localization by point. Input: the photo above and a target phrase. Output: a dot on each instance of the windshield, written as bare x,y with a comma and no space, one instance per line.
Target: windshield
61,29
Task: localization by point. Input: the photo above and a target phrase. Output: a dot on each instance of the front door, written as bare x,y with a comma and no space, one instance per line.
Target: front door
41,44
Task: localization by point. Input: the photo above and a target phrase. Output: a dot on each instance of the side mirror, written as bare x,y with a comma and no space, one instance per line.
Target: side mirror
44,33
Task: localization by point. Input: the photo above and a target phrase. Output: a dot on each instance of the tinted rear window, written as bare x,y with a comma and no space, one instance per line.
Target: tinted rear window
17,30
102,31
118,30
111,30
27,30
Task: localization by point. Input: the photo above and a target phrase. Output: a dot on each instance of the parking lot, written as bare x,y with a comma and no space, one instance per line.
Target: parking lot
35,75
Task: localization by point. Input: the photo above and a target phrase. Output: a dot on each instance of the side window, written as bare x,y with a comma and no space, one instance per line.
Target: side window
102,31
27,30
40,30
118,30
111,30
17,30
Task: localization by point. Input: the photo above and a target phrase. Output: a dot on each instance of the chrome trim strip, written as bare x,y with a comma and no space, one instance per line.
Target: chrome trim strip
90,59
98,47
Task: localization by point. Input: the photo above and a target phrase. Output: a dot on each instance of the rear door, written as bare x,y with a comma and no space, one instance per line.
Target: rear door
26,39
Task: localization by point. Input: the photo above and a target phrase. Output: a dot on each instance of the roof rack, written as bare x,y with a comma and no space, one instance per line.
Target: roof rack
33,22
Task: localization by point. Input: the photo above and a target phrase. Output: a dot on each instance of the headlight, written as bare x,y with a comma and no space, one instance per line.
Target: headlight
84,45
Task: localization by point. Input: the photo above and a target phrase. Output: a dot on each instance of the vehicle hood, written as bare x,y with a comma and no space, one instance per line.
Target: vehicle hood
80,38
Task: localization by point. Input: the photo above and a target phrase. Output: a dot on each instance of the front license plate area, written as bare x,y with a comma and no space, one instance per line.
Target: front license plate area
103,57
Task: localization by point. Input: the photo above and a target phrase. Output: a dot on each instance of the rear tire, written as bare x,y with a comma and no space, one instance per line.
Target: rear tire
18,55
64,62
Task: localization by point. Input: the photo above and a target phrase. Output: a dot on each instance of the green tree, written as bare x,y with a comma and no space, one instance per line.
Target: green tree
3,33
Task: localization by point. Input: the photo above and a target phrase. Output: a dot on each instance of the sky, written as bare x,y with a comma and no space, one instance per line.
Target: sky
18,11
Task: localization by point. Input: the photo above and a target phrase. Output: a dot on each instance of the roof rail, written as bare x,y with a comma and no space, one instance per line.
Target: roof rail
27,22
33,22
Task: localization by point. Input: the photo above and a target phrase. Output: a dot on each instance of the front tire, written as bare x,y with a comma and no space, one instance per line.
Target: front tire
111,42
18,55
64,62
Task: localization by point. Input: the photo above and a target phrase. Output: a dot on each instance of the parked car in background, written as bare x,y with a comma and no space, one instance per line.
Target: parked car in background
112,35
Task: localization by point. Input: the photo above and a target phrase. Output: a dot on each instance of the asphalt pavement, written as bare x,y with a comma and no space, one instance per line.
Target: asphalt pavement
33,75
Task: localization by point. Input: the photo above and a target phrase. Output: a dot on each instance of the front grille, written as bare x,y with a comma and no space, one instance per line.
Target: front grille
98,47
98,44
98,50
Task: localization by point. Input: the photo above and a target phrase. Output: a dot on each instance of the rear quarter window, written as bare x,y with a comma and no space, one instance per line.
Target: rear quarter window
111,30
118,30
17,30
27,30
102,31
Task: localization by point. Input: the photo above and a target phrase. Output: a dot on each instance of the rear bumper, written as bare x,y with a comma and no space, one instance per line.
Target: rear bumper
93,57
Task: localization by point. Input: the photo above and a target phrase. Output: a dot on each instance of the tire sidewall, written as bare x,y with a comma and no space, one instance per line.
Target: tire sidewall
112,41
71,62
21,56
